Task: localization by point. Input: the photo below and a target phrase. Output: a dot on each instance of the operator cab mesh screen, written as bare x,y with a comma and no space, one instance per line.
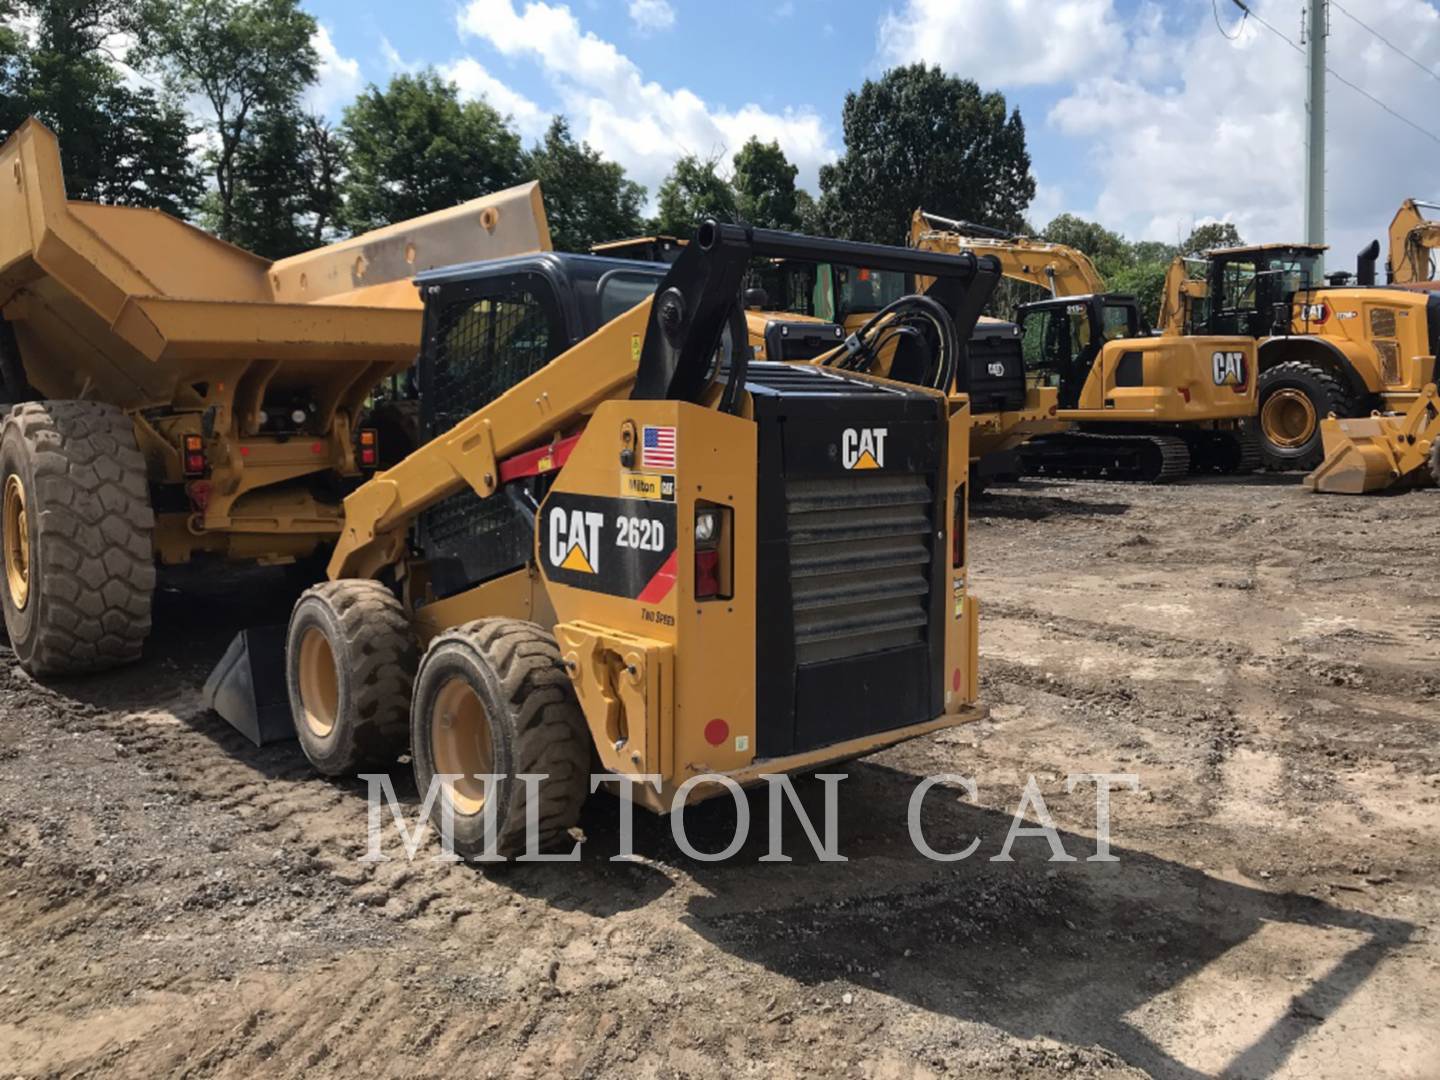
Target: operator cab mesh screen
482,347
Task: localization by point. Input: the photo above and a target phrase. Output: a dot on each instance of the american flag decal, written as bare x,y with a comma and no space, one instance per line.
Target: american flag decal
657,448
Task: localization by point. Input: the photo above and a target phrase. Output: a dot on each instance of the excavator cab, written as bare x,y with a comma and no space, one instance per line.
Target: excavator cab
1061,339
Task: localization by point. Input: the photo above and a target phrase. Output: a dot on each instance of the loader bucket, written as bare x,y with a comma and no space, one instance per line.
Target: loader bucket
247,688
1379,451
1357,457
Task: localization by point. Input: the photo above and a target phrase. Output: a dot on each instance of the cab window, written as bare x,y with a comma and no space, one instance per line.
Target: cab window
1237,286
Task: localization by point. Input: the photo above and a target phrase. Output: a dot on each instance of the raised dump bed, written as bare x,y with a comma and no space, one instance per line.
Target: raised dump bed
174,394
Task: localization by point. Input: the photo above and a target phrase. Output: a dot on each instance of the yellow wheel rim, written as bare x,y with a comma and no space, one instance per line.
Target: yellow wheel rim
1288,418
319,683
462,744
17,543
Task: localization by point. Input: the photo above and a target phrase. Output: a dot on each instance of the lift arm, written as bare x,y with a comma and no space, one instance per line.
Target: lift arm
1062,270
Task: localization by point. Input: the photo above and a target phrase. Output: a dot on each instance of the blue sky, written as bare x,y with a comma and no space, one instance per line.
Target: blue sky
1139,113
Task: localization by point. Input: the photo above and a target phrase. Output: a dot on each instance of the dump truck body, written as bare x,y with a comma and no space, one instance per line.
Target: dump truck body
243,381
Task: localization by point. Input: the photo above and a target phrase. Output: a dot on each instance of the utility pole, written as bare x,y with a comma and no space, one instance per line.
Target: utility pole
1317,26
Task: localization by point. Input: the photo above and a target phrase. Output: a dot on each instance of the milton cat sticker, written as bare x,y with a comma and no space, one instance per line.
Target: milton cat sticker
621,547
863,448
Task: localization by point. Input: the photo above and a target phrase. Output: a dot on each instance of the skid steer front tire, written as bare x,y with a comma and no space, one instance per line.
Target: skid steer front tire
350,661
1294,397
77,532
493,698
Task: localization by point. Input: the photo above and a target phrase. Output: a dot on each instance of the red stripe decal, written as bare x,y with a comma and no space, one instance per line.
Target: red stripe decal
661,584
536,462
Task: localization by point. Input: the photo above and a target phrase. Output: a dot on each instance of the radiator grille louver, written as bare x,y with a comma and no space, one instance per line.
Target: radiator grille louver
860,549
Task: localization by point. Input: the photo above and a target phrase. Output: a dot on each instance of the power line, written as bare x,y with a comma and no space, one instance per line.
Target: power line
1215,10
1338,77
1390,44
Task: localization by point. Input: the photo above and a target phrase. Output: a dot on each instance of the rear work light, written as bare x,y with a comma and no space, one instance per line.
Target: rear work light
369,448
713,547
194,456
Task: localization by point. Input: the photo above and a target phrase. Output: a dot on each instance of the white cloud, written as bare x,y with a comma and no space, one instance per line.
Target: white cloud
640,124
475,82
1200,128
337,78
1004,42
650,16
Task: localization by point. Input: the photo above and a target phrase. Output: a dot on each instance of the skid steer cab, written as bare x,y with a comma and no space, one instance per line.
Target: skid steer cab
1145,407
627,540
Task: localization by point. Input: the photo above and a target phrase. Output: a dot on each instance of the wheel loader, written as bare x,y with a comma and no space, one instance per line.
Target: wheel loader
168,396
1136,407
1342,346
627,537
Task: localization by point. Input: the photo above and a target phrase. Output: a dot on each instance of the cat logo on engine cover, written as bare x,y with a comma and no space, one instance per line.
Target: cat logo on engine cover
863,448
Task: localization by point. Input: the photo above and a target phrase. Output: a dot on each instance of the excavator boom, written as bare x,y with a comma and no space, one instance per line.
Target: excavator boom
1060,269
1413,236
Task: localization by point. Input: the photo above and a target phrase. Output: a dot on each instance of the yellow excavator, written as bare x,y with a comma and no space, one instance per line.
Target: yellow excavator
1342,347
1138,406
1413,237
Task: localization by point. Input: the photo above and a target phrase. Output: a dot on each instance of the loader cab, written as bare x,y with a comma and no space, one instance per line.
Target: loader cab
1062,338
1251,288
487,326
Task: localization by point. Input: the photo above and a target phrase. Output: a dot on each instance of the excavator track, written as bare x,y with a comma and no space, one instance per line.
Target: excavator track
1084,455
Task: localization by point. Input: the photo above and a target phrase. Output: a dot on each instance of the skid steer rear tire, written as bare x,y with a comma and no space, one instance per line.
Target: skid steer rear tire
78,537
1435,461
493,698
1294,397
350,660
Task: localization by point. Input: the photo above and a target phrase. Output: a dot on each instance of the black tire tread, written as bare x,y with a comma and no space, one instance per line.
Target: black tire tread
94,536
549,729
1341,403
378,650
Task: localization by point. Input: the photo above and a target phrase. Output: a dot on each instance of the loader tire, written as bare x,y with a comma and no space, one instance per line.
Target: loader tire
492,697
1294,397
1435,461
350,660
78,537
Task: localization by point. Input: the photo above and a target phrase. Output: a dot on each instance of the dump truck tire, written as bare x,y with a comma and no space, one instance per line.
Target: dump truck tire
493,698
350,660
1294,398
77,533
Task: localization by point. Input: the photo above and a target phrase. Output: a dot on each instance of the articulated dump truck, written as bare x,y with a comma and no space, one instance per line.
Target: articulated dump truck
168,395
628,539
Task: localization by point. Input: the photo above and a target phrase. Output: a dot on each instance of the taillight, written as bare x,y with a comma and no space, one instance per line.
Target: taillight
712,552
194,456
369,448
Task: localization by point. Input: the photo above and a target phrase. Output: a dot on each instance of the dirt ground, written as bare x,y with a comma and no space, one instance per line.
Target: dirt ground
176,902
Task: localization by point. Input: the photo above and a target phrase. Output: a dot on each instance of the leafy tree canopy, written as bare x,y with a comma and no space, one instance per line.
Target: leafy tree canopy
920,138
692,192
587,199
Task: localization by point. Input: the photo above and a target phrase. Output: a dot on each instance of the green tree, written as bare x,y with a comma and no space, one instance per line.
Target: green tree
807,213
1107,250
287,185
1211,235
416,147
243,58
692,192
587,199
118,144
920,138
764,183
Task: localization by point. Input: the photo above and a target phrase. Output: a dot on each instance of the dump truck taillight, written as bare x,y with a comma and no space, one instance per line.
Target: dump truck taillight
369,448
195,463
712,553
